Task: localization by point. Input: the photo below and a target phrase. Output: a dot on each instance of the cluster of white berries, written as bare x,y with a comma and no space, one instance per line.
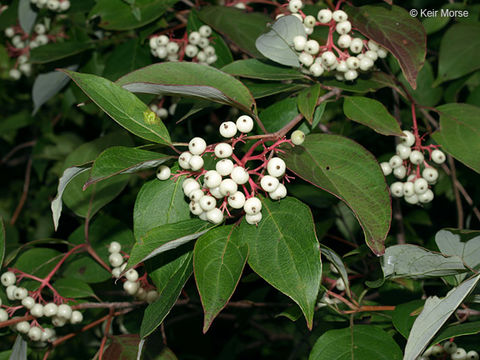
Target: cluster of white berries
225,183
132,285
23,44
52,5
59,314
449,348
197,47
352,55
416,187
161,111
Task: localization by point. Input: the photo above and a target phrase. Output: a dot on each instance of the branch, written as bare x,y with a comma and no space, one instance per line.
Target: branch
23,198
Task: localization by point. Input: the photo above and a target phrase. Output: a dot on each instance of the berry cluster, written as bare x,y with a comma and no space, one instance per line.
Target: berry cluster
408,163
195,46
52,5
158,107
344,59
133,283
20,45
449,348
60,314
227,183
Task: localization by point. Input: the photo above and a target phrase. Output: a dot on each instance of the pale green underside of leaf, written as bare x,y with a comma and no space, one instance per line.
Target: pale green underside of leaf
435,313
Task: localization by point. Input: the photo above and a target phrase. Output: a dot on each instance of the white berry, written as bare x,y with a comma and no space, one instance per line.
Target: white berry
228,129
316,69
8,278
306,59
28,302
252,206
50,310
131,287
472,355
295,5
194,37
353,63
269,183
37,310
236,200
339,16
197,146
23,327
460,354
228,187
58,321
3,315
115,259
426,197
397,189
224,167
416,157
114,247
244,124
420,185
351,75
223,150
10,290
239,175
395,161
207,203
205,31
151,296
343,27
324,16
279,193
297,137
20,293
76,317
212,179
400,172
276,167
196,195
191,51
430,174
184,160
64,311
299,42
329,58
438,156
312,47
386,168
215,216
190,185
131,275
366,63
356,45
403,151
163,172
408,189
411,199
196,162
408,139
253,219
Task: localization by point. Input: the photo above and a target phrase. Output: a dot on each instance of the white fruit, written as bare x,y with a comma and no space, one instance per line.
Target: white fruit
23,327
3,315
253,219
115,259
411,199
58,321
295,5
207,203
344,41
76,317
184,160
116,272
395,161
190,185
382,53
131,287
472,355
279,193
460,354
28,302
224,167
306,59
312,47
244,124
161,52
172,48
236,200
191,51
420,185
20,293
228,129
196,162
351,75
195,208
15,74
239,175
152,295
299,42
356,45
215,216
37,310
163,172
196,195
386,168
269,183
50,309
114,247
197,146
408,139
426,197
64,311
216,193
342,66
438,156
276,167
131,275
400,172
324,16
408,189
10,290
430,174
309,21
403,151
194,37
397,189
223,150
297,137
353,63
228,187
252,206
48,334
212,179
329,58
372,45
365,63
339,16
316,69
205,31
343,27
416,157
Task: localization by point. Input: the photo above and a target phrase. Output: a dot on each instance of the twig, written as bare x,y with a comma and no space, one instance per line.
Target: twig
23,198
16,149
458,201
105,335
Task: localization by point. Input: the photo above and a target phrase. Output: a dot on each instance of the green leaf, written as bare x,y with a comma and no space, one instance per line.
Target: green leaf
218,259
348,171
123,160
169,278
159,203
56,206
361,342
38,262
26,16
122,347
277,44
167,354
307,101
263,89
2,241
416,262
125,58
459,52
257,69
393,28
371,83
404,316
435,313
243,32
224,55
371,113
459,133
425,94
279,114
190,80
454,331
57,51
166,237
73,288
337,262
451,244
47,86
87,270
285,252
117,15
122,106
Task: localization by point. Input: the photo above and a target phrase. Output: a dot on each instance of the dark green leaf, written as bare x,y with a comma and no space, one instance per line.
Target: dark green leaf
169,279
117,15
263,89
26,16
73,288
377,80
246,28
86,269
47,86
123,160
126,57
122,347
279,114
38,262
56,51
348,171
123,107
459,52
453,331
285,252
337,262
393,28
159,203
425,94
277,44
218,260
190,80
371,113
257,69
307,101
362,342
166,237
404,316
459,133
2,241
